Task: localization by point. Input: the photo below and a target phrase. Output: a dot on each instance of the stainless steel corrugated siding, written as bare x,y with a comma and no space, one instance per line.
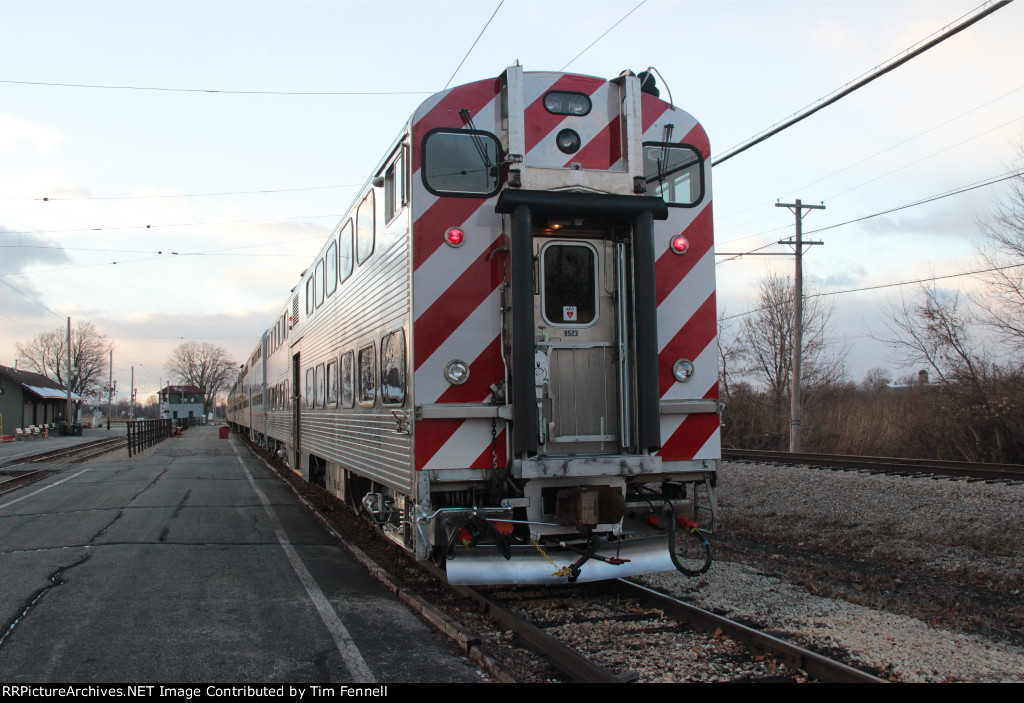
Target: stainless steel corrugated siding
375,301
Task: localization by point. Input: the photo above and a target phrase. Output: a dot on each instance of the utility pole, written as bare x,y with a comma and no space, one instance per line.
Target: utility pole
67,380
110,386
798,319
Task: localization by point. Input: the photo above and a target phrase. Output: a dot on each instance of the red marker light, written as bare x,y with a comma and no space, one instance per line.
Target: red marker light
680,244
454,237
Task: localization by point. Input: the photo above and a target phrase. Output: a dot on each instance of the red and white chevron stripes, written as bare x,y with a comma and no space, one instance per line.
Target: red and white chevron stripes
455,290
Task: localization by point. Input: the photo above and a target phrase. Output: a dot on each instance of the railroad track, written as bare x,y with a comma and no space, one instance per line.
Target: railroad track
646,613
68,455
627,612
959,469
21,473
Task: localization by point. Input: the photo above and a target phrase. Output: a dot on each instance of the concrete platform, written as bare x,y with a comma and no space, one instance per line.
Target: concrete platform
192,562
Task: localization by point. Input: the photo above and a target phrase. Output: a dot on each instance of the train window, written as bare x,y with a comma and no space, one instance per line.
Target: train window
318,397
345,252
366,223
332,383
318,282
367,376
332,268
461,162
392,368
390,192
569,276
348,391
674,172
309,296
309,388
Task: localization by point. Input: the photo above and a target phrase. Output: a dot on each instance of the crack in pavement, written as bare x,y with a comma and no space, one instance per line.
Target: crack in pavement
56,579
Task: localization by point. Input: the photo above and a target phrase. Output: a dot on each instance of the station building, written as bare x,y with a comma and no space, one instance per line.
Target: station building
30,399
181,401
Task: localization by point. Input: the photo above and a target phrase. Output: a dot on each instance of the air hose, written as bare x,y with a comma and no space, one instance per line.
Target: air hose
691,527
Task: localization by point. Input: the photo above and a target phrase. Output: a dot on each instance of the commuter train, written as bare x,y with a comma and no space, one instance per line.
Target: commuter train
505,355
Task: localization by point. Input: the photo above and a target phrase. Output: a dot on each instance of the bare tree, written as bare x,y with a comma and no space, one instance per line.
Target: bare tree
1002,253
876,379
204,365
47,354
765,353
976,407
933,330
767,338
729,354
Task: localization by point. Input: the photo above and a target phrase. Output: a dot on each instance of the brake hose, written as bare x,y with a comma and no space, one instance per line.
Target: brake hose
691,527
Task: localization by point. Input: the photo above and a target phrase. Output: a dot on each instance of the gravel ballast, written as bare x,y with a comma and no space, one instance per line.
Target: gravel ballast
913,578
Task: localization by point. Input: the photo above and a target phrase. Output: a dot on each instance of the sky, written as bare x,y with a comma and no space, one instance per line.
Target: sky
246,182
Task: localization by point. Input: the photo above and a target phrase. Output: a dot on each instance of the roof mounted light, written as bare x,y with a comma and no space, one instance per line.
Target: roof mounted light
560,102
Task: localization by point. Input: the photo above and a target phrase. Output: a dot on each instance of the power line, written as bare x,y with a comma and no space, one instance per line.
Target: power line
947,194
873,156
878,72
188,195
919,134
177,224
881,286
924,158
220,91
474,44
29,298
635,8
956,191
164,255
160,252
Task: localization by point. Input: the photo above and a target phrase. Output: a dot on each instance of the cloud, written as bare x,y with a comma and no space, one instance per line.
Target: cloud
20,251
958,222
15,130
849,274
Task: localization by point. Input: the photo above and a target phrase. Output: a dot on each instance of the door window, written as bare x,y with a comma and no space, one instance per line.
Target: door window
569,275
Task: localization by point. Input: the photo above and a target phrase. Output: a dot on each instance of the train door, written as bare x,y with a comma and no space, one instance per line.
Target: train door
296,401
580,342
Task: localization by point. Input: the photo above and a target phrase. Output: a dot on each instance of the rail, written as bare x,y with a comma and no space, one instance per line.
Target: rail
820,667
565,658
961,469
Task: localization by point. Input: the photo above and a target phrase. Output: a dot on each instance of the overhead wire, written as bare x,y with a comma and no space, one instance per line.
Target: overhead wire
866,78
28,297
992,180
486,25
173,224
868,158
185,195
621,19
880,286
218,90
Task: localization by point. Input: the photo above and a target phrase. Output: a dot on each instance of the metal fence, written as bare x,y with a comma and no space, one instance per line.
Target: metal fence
143,434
